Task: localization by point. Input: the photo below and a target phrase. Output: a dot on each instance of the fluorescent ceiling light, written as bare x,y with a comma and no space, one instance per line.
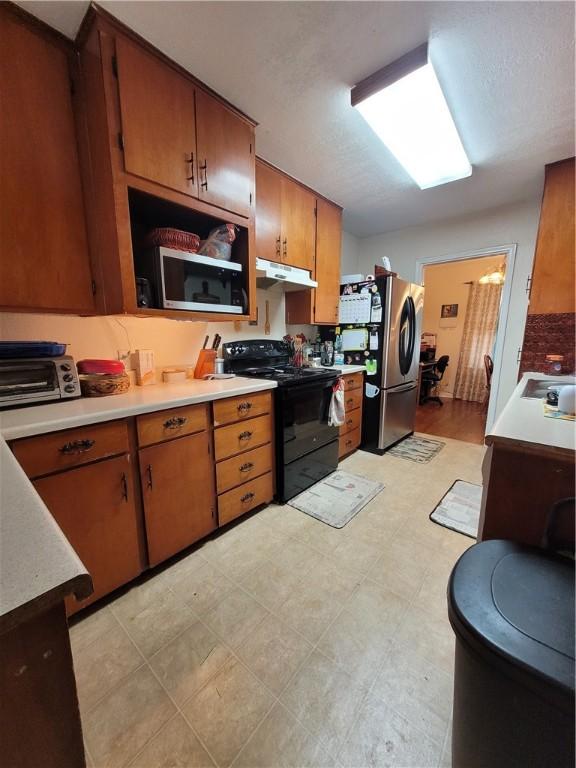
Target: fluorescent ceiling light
404,104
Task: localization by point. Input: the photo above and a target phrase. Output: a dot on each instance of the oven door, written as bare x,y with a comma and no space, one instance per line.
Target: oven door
27,382
303,419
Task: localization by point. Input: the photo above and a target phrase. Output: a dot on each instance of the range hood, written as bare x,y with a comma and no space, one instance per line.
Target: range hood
269,273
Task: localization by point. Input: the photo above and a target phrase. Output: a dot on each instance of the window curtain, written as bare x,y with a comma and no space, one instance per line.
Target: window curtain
478,340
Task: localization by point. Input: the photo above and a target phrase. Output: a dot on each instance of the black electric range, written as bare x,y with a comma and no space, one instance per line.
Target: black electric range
306,445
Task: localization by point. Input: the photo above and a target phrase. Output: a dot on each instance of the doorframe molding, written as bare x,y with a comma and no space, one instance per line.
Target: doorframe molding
509,251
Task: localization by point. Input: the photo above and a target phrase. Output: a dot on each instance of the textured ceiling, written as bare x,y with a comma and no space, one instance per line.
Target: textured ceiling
507,69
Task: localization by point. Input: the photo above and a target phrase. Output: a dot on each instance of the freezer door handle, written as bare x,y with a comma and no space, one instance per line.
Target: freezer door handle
402,388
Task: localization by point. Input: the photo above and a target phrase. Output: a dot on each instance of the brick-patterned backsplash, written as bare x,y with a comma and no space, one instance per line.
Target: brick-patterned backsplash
548,335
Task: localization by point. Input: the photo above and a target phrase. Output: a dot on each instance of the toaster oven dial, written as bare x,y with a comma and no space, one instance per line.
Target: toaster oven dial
65,367
69,388
68,377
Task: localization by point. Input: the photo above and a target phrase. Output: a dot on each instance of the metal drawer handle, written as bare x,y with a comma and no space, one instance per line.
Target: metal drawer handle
244,407
350,421
150,484
124,482
204,184
175,422
278,241
245,435
247,497
348,442
191,161
285,247
350,400
77,446
246,467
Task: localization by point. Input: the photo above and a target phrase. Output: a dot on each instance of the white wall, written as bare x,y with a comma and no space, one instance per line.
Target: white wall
349,254
510,224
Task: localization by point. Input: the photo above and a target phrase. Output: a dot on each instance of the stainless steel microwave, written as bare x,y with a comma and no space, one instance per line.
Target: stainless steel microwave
190,281
37,380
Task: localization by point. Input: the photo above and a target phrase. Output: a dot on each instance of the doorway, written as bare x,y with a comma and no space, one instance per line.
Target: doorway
465,308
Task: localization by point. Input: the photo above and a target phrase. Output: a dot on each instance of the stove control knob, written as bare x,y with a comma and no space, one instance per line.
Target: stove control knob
68,377
69,388
65,367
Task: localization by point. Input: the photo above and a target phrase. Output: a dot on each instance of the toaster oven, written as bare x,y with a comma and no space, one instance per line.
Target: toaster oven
33,380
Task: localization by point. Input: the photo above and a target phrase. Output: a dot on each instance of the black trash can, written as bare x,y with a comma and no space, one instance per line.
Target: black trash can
512,610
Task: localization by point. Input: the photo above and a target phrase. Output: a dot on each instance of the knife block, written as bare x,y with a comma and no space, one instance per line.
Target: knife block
205,363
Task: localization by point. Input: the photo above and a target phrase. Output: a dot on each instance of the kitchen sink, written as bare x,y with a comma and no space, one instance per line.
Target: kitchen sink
538,388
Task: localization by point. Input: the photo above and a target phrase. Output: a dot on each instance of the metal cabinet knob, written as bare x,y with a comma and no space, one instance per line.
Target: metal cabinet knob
247,497
175,422
244,407
247,467
245,435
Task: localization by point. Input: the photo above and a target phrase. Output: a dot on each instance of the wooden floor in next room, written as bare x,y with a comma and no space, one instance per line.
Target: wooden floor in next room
458,419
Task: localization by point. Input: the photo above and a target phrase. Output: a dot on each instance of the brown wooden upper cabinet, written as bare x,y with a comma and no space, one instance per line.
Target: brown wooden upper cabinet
41,201
225,151
285,218
552,283
320,306
158,119
178,135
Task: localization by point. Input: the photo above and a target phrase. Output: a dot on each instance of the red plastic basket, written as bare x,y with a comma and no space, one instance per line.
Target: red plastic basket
173,238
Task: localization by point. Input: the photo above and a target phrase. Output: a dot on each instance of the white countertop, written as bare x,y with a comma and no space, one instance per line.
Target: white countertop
38,567
52,417
346,368
522,419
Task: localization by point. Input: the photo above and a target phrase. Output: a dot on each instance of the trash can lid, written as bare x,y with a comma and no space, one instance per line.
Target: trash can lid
515,604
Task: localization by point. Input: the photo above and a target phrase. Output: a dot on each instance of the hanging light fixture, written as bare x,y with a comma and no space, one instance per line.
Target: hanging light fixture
405,106
493,276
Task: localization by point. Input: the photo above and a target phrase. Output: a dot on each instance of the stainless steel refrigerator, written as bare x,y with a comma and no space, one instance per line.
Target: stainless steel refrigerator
388,342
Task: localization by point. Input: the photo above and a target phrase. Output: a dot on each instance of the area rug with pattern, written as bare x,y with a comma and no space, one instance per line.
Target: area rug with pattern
419,449
336,499
459,508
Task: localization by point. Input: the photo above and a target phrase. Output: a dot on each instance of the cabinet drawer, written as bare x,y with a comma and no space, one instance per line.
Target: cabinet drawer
353,381
45,454
353,420
237,438
240,469
349,442
176,422
353,399
235,409
244,498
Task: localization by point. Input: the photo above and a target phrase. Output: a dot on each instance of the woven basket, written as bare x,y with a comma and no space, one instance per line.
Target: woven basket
173,238
103,384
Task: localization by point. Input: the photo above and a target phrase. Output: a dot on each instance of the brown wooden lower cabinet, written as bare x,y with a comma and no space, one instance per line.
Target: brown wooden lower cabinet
94,506
39,717
351,430
178,494
248,496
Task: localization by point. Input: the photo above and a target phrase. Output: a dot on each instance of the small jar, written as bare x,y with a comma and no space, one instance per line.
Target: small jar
554,364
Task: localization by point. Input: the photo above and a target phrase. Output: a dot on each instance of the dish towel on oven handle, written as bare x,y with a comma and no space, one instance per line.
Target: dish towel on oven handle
337,414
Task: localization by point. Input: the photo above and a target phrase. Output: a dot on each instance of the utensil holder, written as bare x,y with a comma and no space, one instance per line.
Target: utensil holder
205,363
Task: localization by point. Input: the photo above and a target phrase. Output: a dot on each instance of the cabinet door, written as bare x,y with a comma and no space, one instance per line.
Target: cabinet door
158,119
552,288
225,156
328,244
178,492
41,205
268,202
298,225
94,506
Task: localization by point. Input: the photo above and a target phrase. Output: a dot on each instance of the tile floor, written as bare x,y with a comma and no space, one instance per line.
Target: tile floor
284,642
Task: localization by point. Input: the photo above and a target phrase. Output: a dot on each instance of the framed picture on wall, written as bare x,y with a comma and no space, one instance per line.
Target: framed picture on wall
449,311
